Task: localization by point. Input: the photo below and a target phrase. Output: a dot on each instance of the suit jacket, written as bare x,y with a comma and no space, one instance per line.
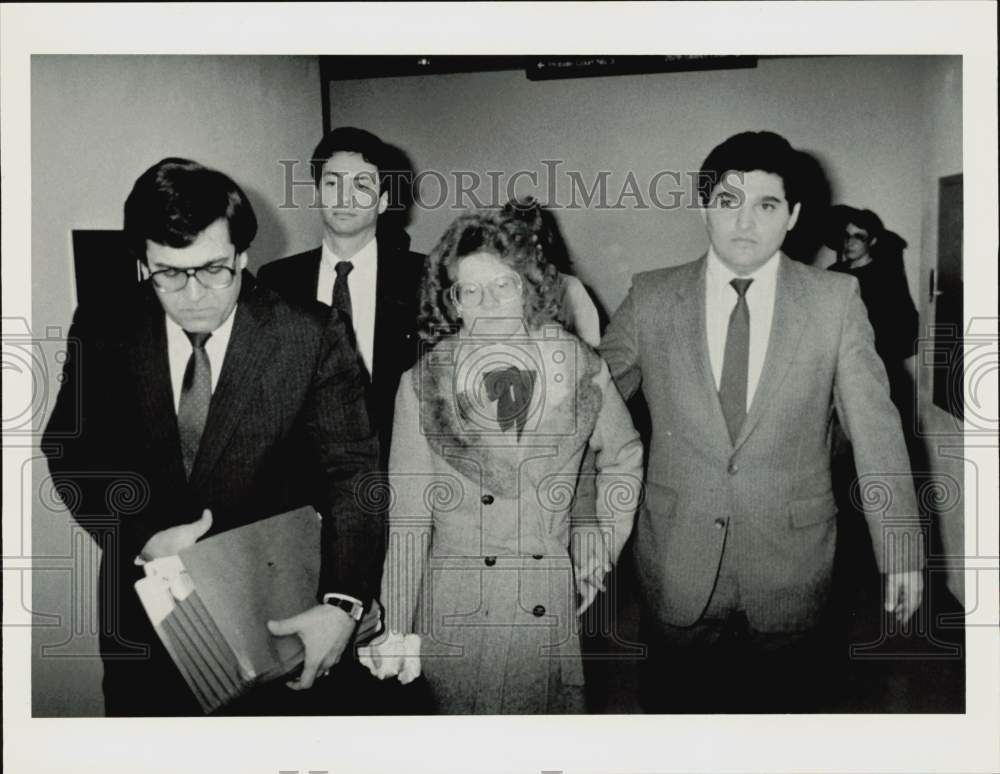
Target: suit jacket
768,496
396,306
286,426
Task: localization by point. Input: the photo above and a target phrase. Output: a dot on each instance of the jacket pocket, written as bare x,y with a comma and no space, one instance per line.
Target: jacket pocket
810,511
661,500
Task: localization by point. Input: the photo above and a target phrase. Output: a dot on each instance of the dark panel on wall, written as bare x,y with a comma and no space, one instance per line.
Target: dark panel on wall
946,293
103,267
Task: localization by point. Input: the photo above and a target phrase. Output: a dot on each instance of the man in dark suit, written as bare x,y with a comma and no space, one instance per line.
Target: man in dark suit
364,268
220,404
743,356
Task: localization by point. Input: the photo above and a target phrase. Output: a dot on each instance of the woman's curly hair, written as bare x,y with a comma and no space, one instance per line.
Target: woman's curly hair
510,240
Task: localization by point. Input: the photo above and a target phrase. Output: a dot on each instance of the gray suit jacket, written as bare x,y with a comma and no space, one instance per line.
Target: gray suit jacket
768,496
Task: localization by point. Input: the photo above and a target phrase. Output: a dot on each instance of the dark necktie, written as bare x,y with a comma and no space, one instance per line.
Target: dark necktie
341,291
733,385
196,394
511,388
342,299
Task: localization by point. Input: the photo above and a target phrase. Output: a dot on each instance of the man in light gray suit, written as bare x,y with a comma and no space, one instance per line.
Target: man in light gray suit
744,356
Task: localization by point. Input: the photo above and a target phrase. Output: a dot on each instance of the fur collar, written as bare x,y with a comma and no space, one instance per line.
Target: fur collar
460,425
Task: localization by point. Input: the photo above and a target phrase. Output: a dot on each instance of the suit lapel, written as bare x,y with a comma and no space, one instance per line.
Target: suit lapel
311,279
787,325
389,309
151,373
249,346
689,326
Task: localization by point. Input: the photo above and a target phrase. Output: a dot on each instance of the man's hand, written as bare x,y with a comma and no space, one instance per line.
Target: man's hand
324,631
169,542
903,594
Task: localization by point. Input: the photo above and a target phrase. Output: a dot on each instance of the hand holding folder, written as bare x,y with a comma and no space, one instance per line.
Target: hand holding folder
210,604
324,631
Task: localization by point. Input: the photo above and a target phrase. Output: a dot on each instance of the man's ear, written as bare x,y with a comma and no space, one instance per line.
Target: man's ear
143,270
794,217
241,261
383,202
872,241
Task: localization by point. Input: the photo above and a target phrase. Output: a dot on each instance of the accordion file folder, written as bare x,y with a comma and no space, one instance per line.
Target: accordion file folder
210,604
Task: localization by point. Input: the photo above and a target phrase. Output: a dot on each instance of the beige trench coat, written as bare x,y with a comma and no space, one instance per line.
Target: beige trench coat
479,560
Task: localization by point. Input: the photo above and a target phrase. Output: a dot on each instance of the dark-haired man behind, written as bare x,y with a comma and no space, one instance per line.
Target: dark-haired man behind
364,267
222,404
743,356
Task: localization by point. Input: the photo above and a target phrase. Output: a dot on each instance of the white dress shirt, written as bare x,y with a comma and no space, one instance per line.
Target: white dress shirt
361,283
179,352
721,298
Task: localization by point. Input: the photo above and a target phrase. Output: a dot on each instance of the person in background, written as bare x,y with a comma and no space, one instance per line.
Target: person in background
364,268
579,313
868,255
483,563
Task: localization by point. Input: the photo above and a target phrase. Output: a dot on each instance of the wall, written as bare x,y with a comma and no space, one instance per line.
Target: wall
96,123
862,117
942,433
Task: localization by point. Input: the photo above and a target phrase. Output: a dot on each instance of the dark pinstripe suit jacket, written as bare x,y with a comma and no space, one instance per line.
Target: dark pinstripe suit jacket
286,426
767,497
400,272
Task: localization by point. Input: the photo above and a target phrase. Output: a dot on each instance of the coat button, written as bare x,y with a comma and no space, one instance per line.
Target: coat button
733,468
720,523
487,499
538,611
536,556
489,561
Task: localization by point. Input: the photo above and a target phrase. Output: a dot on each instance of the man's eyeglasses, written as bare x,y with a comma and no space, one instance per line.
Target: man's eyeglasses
504,288
857,237
212,276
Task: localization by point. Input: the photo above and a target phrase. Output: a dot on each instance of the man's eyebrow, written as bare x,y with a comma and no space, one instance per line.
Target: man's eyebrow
210,262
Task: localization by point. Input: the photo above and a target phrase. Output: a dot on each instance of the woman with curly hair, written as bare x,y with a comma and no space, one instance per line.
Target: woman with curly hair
483,563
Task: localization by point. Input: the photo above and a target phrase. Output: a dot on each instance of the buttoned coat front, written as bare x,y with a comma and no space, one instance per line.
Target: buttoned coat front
479,561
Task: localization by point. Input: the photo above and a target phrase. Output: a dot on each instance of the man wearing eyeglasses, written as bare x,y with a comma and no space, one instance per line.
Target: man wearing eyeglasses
227,405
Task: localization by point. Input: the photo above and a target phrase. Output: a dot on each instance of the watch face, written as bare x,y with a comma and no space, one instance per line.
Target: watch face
353,609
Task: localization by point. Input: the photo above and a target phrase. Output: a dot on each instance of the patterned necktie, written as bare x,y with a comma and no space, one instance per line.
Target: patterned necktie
735,362
196,394
342,299
511,388
341,291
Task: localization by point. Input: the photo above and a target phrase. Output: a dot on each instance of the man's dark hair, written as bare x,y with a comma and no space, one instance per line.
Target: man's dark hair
350,139
749,151
176,199
867,220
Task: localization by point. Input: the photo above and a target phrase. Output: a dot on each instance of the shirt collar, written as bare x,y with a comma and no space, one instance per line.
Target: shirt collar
721,274
220,336
366,256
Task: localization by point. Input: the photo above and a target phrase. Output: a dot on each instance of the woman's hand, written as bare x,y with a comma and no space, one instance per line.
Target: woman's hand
591,563
392,655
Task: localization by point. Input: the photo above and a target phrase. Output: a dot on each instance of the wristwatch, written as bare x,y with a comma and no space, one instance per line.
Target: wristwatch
349,605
